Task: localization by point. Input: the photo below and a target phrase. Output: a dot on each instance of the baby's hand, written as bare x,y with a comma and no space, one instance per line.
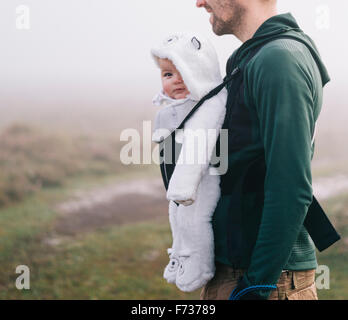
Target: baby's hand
181,190
186,202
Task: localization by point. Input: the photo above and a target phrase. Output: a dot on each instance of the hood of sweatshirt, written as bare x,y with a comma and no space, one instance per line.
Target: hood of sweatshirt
282,24
195,58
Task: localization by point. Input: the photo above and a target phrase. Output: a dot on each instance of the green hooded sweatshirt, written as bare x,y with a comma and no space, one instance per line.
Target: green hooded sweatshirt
283,90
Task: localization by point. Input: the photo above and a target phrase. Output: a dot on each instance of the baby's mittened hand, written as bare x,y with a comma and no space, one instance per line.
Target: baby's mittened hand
180,197
186,202
185,196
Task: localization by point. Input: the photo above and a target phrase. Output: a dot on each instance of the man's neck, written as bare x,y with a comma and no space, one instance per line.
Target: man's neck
252,21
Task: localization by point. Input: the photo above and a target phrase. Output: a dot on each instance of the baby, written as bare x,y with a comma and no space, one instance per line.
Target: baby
189,70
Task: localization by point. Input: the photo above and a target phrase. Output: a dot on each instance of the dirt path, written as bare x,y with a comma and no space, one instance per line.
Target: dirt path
141,200
126,202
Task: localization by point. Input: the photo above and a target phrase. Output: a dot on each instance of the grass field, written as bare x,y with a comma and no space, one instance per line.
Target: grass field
115,261
33,158
336,257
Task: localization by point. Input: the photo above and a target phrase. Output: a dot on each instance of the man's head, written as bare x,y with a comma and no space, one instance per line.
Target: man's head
230,16
172,82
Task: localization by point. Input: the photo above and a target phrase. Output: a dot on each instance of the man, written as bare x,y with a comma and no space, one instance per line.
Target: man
262,248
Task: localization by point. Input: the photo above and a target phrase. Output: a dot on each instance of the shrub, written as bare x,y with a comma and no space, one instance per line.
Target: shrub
31,159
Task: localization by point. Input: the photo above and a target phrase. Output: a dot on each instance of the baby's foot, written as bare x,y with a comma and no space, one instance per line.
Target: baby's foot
172,267
193,273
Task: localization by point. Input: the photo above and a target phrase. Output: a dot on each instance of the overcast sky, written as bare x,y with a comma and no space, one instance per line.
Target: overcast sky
99,49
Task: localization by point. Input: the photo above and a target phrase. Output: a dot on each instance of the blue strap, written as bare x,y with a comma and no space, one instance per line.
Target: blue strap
252,288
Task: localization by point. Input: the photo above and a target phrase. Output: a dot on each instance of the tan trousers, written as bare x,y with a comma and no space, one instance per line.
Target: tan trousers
292,285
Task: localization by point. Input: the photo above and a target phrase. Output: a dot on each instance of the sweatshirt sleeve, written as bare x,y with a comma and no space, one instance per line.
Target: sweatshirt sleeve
279,86
195,154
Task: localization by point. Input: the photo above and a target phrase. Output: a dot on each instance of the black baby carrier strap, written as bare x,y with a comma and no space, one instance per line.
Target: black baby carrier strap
170,149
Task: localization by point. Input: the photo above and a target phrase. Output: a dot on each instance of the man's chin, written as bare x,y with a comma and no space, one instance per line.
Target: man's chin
217,29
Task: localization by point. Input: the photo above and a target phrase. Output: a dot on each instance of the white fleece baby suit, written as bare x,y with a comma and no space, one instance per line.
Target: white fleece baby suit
193,183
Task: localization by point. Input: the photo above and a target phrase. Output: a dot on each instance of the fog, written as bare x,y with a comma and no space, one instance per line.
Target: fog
88,61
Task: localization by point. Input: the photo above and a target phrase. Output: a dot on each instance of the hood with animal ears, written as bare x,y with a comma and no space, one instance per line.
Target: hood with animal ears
195,58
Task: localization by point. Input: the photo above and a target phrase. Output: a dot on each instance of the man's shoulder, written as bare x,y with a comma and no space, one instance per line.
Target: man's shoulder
282,53
230,62
280,59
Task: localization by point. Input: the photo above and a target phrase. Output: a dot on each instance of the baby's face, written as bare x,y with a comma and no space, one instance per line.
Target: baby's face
173,85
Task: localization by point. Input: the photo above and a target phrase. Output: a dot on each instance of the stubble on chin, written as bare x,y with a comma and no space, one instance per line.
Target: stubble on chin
232,24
